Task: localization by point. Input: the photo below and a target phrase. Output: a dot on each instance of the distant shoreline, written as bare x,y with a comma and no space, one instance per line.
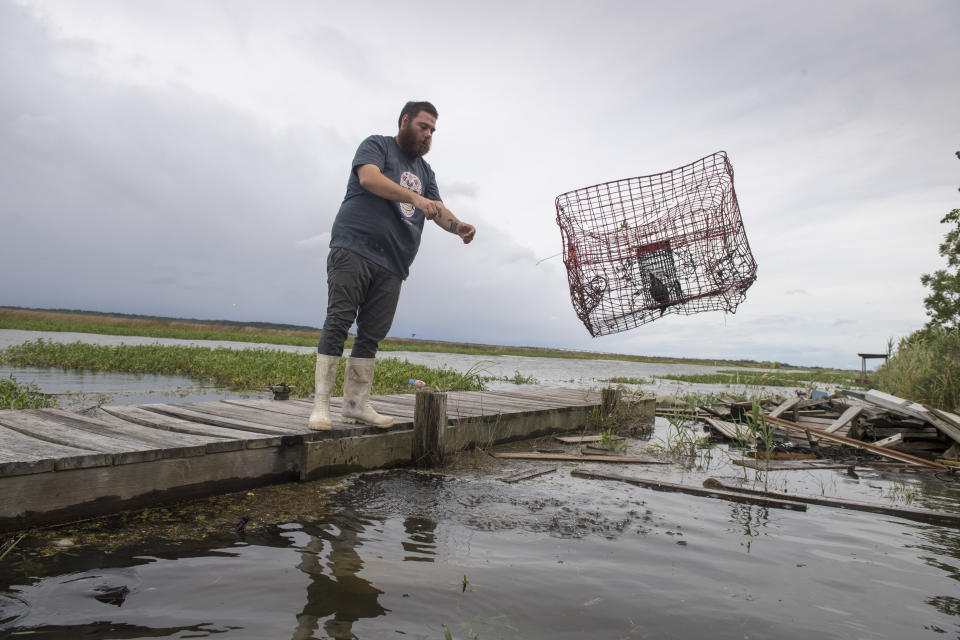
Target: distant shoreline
272,333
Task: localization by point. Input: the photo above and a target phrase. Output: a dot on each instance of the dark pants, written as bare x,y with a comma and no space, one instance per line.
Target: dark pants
360,290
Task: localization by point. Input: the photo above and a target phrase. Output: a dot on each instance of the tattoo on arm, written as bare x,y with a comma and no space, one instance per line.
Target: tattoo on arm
453,226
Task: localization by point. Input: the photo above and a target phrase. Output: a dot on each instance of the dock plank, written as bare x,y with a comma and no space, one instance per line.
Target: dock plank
222,416
21,454
174,444
248,439
48,427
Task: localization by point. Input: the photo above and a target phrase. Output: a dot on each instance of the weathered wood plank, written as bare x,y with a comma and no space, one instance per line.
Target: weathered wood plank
249,439
282,407
896,455
50,428
574,458
784,406
728,429
175,444
891,440
845,418
581,439
21,454
527,475
788,465
269,422
730,496
909,513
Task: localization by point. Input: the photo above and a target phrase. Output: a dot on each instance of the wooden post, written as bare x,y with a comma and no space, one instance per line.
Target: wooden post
609,401
429,428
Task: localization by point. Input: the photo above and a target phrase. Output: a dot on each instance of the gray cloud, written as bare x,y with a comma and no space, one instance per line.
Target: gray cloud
189,158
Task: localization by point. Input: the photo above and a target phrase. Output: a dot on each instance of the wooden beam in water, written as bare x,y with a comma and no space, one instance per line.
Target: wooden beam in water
910,513
574,458
527,475
657,485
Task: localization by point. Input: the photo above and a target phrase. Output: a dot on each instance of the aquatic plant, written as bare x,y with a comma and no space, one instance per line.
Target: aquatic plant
14,395
240,369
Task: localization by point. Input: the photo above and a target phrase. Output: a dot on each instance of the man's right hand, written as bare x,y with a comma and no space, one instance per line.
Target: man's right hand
431,208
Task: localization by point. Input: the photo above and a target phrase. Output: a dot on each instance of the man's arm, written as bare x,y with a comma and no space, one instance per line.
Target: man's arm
449,222
378,184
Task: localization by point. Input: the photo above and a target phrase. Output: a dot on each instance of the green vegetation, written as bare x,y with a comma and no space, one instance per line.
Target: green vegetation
771,379
925,368
926,365
626,380
92,322
943,303
14,395
236,369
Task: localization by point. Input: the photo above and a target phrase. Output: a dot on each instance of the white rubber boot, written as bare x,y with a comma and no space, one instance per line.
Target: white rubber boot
356,394
324,380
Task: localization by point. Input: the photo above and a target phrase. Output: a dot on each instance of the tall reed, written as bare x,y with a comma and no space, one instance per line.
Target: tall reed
925,368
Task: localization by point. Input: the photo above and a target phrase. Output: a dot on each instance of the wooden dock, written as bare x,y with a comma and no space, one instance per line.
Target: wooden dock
57,466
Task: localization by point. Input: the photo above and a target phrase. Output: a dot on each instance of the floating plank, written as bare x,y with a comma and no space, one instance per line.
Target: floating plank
909,513
581,439
657,485
782,455
845,418
573,458
526,475
888,453
788,465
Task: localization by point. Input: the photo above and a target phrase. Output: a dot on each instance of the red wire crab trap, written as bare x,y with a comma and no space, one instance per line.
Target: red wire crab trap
671,242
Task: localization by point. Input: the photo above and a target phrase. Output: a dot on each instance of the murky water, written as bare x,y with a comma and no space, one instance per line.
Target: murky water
403,554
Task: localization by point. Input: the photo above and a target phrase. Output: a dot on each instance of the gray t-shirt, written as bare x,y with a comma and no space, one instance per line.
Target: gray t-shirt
385,232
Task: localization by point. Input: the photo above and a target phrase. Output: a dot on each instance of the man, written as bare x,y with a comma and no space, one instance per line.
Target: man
375,237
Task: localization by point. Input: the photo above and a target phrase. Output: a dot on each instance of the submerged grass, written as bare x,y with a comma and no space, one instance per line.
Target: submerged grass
771,378
14,395
237,369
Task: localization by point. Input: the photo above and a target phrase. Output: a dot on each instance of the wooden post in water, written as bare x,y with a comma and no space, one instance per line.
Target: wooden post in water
429,428
609,401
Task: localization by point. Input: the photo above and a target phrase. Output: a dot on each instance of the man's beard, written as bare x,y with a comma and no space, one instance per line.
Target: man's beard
407,139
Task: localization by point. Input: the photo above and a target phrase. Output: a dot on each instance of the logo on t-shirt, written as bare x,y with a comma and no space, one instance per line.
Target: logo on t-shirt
410,181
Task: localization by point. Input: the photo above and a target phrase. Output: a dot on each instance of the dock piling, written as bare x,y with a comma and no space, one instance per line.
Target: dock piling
429,428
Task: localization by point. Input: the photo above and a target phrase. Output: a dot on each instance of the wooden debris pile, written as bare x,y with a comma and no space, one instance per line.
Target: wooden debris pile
832,425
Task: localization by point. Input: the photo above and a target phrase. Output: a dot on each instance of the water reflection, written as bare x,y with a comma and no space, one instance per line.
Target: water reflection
553,558
337,594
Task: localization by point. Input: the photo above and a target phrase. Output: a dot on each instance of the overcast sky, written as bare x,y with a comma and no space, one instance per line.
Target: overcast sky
187,158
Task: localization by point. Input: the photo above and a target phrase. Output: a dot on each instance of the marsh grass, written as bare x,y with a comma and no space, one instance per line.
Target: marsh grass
771,378
626,380
925,368
38,320
236,369
14,395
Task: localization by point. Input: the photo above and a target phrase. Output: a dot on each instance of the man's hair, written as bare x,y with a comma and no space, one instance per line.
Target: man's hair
413,108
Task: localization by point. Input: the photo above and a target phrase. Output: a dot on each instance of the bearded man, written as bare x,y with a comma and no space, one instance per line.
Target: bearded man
375,237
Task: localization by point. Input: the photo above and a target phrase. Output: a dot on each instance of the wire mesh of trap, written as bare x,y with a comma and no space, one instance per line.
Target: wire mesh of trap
671,242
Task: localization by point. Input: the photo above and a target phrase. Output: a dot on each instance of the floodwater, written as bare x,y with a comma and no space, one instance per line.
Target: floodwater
80,389
405,554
